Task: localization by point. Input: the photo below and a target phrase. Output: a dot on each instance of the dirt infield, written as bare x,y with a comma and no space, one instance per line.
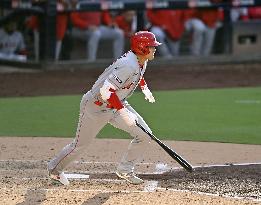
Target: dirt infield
164,78
24,179
224,173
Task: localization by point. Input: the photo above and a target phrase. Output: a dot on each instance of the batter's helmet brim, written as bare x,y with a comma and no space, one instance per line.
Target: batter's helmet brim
155,43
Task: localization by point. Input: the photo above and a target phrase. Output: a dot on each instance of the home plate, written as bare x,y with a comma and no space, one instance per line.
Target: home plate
161,168
77,176
151,186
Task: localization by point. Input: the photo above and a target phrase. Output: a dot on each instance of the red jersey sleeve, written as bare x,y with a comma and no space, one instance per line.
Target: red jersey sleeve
153,17
106,18
61,25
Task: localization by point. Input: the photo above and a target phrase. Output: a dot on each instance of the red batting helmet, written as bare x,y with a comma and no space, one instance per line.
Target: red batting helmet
141,41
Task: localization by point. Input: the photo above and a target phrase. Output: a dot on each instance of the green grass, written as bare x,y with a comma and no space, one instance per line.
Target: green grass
223,115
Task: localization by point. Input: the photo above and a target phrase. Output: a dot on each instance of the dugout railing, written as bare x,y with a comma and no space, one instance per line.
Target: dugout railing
47,11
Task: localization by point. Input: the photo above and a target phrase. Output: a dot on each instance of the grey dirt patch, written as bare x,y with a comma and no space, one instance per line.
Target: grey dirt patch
233,181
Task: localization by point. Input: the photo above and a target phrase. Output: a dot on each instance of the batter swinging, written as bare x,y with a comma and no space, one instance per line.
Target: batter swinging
106,103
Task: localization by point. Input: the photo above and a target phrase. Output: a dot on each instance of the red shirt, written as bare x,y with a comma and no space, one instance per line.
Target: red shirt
171,21
33,23
83,20
254,12
124,25
61,24
209,16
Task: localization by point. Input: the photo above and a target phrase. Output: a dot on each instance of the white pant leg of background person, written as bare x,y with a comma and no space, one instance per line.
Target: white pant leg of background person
58,48
137,146
197,27
161,37
91,120
174,46
92,38
117,35
36,45
93,43
208,40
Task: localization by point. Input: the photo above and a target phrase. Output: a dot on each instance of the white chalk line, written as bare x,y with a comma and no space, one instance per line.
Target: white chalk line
248,101
76,162
157,165
77,176
160,168
75,179
228,165
105,172
76,190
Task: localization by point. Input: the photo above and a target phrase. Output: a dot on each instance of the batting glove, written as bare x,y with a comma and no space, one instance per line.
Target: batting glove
148,95
129,117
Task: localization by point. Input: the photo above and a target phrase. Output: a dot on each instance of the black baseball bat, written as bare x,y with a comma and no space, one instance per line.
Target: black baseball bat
170,151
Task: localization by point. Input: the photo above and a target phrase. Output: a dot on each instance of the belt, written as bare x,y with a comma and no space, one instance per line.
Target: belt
99,103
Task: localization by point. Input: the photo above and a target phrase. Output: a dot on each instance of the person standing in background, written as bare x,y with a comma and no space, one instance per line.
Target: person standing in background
96,25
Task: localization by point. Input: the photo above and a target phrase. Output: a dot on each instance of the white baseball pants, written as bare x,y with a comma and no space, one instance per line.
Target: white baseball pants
91,120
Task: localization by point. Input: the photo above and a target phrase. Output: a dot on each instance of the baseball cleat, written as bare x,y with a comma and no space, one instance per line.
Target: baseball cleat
60,177
130,177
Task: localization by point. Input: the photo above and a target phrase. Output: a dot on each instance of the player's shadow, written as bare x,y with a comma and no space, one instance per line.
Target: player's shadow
98,199
33,197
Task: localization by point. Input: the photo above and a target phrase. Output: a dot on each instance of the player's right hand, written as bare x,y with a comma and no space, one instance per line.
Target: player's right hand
129,117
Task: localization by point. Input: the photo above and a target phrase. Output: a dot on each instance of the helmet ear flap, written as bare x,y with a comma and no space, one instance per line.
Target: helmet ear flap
143,49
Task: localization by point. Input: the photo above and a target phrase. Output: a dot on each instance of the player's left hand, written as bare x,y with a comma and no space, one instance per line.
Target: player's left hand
148,95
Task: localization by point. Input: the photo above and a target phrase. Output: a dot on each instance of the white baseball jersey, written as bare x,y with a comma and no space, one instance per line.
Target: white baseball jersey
11,43
125,74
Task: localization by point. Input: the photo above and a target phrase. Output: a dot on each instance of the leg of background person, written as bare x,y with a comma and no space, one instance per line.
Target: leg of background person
118,43
58,49
198,29
174,46
61,27
161,37
209,39
91,120
117,35
93,42
137,146
36,45
82,35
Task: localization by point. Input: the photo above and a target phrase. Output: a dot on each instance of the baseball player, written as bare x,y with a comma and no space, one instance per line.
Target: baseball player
106,103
